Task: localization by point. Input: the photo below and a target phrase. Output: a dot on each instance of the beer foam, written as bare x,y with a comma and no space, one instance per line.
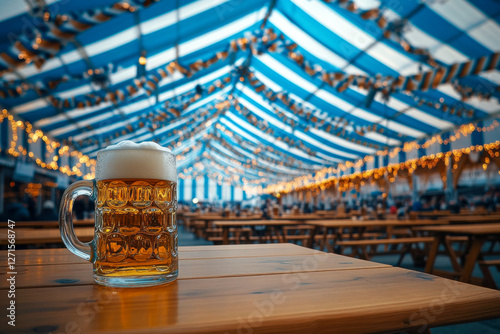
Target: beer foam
129,160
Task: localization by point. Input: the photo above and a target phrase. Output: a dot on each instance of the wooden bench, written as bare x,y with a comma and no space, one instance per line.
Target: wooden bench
301,235
485,265
199,228
33,236
47,223
238,235
359,246
319,238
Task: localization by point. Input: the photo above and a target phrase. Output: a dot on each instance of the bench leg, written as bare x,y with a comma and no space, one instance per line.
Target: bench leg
452,255
488,280
474,252
354,251
431,258
340,250
492,246
225,236
404,251
364,253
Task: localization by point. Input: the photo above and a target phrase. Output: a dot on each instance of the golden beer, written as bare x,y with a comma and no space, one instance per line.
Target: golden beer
135,237
136,229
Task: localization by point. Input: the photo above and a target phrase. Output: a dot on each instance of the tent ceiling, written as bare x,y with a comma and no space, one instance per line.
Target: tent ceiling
265,90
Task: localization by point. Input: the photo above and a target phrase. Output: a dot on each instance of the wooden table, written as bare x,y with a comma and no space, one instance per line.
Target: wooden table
472,219
275,226
334,226
433,213
477,234
448,213
298,217
214,215
48,224
309,216
207,219
278,288
325,212
194,214
373,223
43,236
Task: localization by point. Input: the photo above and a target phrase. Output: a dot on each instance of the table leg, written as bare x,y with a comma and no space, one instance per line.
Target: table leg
453,256
225,235
361,232
388,232
337,232
237,234
326,244
280,234
431,258
471,259
313,237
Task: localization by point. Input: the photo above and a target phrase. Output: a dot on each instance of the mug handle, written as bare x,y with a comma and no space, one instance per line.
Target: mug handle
82,249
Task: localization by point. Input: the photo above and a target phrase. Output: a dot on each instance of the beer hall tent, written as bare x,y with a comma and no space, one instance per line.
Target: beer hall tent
262,96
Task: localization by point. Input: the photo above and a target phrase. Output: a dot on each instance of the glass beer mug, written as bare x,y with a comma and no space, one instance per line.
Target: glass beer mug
135,237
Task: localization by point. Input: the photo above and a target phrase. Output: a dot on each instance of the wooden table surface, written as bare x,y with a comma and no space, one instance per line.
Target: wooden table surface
270,222
299,216
477,234
370,223
273,226
278,288
472,219
194,214
49,223
309,216
472,229
212,218
325,212
45,235
448,213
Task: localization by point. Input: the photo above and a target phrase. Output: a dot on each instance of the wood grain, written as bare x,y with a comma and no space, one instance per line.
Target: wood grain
373,223
29,257
220,217
32,235
346,301
48,224
471,229
392,241
472,219
271,222
81,273
298,217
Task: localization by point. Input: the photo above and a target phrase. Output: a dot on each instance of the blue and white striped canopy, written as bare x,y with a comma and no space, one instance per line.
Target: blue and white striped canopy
250,91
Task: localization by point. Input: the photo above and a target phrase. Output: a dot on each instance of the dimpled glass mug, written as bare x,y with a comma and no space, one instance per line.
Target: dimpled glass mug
135,194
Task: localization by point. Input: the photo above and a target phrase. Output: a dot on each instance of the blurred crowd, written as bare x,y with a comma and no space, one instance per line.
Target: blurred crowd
372,207
26,210
379,207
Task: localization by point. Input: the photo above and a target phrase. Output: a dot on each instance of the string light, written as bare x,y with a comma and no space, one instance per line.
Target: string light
320,178
17,149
